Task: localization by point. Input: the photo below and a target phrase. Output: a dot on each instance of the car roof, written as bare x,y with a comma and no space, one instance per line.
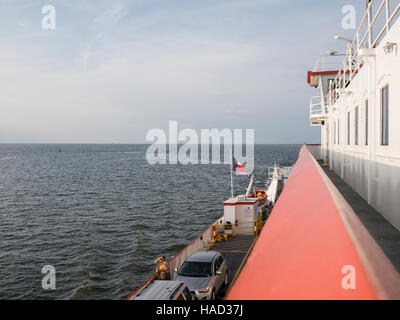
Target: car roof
160,290
203,256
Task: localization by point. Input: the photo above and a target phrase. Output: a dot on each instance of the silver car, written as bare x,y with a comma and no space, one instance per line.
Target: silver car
205,273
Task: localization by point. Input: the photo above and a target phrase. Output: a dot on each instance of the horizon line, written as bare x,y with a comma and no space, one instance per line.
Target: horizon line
138,143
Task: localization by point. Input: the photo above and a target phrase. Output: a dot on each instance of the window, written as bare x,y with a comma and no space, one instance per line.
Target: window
216,265
186,293
196,269
327,135
334,133
348,128
356,126
366,122
385,116
220,260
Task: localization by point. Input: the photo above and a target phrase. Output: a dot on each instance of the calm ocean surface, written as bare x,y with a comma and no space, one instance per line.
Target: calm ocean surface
100,214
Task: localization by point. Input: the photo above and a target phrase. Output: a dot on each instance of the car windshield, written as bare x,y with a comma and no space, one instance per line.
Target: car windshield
196,269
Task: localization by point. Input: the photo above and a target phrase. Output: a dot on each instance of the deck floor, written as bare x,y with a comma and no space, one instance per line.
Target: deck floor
235,251
384,233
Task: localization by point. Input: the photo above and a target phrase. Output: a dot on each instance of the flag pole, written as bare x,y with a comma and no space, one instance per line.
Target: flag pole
231,174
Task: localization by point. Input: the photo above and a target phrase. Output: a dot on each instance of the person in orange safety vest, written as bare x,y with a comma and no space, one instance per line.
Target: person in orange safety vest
162,268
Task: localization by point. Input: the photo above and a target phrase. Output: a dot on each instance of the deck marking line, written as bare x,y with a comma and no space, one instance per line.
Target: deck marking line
240,267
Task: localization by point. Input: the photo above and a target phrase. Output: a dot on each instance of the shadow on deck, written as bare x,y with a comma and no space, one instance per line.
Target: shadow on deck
385,234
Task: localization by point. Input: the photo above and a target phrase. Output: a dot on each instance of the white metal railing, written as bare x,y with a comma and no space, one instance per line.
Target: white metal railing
283,172
328,62
317,107
351,64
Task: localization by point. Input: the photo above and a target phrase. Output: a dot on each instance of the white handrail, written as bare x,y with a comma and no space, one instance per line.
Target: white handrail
317,108
347,68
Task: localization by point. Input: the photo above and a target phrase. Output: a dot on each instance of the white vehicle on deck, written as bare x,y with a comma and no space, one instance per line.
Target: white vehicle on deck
164,290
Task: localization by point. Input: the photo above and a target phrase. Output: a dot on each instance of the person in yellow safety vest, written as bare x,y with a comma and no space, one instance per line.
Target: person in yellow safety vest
162,268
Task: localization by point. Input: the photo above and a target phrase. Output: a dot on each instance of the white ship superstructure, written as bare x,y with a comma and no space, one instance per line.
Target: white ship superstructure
358,109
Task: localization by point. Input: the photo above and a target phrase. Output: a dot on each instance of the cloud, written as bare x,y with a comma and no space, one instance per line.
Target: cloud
112,71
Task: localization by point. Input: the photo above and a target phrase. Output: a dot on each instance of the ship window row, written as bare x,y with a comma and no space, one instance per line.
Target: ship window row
354,130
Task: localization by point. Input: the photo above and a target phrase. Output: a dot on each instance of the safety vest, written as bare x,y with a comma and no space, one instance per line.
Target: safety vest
163,267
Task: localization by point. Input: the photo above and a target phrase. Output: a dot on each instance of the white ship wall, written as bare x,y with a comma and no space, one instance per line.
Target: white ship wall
372,170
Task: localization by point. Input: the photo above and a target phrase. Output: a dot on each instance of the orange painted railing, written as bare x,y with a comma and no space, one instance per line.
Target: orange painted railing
313,246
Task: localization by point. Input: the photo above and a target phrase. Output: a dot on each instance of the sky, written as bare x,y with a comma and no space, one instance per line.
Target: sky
113,70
